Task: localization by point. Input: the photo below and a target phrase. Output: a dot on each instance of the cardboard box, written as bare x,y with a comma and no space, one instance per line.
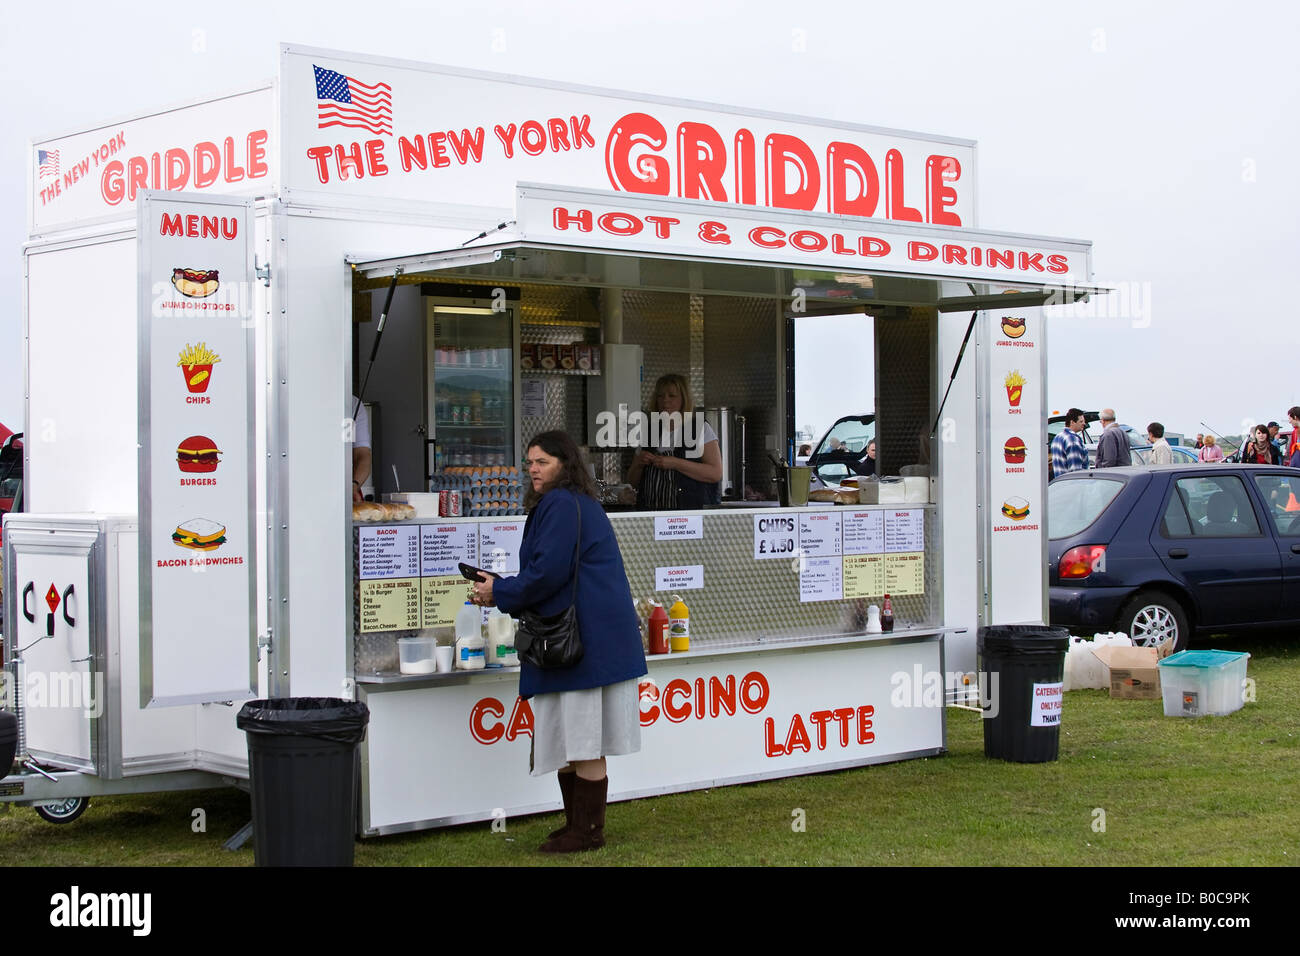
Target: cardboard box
1133,671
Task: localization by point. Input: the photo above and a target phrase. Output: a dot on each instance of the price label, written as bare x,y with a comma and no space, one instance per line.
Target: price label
905,573
444,546
864,532
864,575
498,546
819,534
390,552
821,579
775,536
440,599
390,605
904,531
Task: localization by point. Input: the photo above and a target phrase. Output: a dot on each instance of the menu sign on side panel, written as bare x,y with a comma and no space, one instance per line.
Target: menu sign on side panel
197,522
1016,462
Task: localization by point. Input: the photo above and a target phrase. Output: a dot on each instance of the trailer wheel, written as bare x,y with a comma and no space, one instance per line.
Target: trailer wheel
64,812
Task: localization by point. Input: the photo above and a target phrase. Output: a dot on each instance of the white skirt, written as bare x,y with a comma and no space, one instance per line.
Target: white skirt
585,725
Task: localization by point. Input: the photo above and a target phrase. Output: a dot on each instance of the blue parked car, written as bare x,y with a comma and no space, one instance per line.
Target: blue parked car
1173,550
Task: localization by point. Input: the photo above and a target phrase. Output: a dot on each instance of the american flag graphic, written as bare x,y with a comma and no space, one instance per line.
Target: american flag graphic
48,163
346,101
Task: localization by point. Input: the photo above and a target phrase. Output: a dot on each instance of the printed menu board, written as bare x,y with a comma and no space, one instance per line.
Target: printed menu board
861,554
198,549
392,552
498,543
390,605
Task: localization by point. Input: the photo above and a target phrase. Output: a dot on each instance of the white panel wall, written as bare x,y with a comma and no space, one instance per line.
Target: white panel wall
81,429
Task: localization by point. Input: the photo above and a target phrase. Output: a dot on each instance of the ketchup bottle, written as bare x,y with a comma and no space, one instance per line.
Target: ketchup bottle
658,630
887,616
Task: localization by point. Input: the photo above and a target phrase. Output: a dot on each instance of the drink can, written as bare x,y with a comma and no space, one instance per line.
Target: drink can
453,504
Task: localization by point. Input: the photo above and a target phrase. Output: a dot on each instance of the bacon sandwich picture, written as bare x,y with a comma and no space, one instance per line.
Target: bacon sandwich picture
1012,327
199,534
1014,451
195,283
1017,509
198,454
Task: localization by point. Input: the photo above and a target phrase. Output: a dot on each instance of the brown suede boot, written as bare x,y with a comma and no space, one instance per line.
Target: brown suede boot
588,830
566,794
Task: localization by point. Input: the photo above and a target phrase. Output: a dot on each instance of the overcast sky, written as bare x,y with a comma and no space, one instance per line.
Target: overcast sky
1165,133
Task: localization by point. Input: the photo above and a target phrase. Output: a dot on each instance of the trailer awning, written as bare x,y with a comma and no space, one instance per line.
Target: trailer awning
831,263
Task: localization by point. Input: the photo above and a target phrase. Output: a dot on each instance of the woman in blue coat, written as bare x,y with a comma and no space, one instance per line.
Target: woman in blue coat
582,713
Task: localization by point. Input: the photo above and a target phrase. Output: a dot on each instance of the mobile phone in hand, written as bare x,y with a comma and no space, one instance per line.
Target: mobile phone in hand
472,573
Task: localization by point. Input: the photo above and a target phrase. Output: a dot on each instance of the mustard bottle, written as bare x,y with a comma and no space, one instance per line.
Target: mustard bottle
679,626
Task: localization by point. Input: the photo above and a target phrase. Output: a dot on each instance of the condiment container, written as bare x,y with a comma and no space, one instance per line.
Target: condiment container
657,630
679,625
416,654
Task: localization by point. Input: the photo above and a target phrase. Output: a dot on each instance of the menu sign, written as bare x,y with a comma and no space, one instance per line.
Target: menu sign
197,522
861,553
499,545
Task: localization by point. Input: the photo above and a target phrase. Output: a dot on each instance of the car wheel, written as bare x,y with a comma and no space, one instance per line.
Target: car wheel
1152,617
64,812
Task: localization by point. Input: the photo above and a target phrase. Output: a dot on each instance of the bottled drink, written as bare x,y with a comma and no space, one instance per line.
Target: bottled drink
887,616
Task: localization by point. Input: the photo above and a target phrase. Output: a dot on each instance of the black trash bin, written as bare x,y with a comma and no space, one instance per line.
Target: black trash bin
1025,695
304,768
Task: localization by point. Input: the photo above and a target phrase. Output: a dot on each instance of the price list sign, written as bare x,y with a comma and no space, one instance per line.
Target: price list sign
444,546
904,531
821,579
819,534
775,536
864,575
864,532
389,591
905,573
499,546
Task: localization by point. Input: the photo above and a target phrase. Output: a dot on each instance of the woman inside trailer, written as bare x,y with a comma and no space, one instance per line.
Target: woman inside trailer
681,467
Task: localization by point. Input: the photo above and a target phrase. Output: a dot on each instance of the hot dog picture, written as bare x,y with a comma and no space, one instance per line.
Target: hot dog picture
195,283
1012,327
1014,451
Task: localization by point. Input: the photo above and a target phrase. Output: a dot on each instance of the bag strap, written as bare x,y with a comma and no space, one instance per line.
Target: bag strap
577,556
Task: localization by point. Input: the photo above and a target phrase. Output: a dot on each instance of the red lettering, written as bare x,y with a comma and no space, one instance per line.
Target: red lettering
895,207
839,248
507,136
871,246
820,718
233,171
178,168
1058,264
137,176
438,150
581,131
770,747
349,158
939,171
954,254
714,232
192,226
807,240
751,682
744,150
1001,257
207,164
170,225
843,160
921,252
521,720
411,152
701,162
699,698
209,227
320,154
976,256
532,138
662,224
581,219
559,131
110,184
481,731
865,734
797,736
842,716
620,224
467,145
647,691
155,167
676,712
722,696
257,167
229,227
375,157
650,175
783,151
759,236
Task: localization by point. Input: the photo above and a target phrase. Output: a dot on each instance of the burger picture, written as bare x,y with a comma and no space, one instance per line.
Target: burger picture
1012,327
198,454
1014,451
1017,509
195,283
199,534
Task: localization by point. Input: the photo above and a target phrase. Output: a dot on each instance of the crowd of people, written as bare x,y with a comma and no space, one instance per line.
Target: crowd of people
1264,444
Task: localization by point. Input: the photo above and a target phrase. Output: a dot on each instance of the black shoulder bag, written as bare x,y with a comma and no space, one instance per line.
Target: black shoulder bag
553,642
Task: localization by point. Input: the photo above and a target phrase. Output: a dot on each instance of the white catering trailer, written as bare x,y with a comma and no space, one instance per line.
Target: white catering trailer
207,287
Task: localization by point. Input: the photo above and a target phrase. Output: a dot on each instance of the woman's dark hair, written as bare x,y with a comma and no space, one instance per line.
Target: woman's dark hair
573,471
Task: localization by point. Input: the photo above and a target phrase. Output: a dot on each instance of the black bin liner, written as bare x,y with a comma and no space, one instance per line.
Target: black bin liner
8,741
304,768
1021,655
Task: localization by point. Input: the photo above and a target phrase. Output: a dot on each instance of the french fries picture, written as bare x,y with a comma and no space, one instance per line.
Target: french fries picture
196,363
1014,382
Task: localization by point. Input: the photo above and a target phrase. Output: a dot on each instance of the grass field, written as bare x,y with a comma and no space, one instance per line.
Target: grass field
1131,788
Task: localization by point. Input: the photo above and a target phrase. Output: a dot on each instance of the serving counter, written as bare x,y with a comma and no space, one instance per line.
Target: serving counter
780,679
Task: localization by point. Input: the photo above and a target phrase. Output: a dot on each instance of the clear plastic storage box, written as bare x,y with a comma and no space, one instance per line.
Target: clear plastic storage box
1201,683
